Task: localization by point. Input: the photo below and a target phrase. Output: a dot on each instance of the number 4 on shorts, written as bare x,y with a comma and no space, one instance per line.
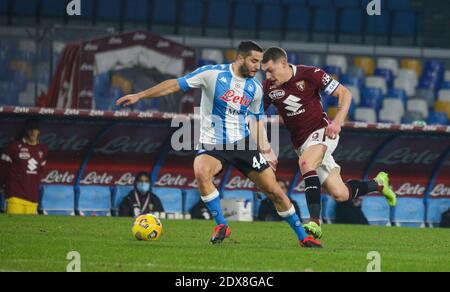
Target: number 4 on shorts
256,163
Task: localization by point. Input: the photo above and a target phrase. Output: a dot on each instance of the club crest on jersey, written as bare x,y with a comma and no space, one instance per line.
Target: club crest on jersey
277,94
301,85
230,96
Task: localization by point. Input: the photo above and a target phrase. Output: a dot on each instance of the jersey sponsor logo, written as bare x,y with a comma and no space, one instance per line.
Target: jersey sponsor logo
24,155
293,105
301,85
230,96
32,166
277,94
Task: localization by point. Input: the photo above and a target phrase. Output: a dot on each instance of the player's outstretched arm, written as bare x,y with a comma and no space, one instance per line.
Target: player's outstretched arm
163,89
345,99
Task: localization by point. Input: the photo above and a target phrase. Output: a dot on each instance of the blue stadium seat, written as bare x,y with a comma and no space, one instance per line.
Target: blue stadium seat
351,80
3,7
299,18
321,3
25,7
404,23
328,209
190,199
119,193
445,85
300,199
137,11
347,3
387,74
171,199
245,15
102,83
195,16
293,58
434,66
372,97
109,10
219,14
397,93
165,12
378,25
272,17
351,21
435,208
94,201
376,210
333,70
409,212
325,20
53,8
57,200
437,118
399,5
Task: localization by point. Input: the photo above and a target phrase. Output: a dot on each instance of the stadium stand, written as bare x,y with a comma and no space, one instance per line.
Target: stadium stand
93,201
57,200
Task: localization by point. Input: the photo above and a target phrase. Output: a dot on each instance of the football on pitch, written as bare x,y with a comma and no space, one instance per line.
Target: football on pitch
147,228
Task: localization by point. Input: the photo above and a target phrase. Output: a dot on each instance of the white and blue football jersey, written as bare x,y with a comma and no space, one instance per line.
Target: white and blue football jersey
226,101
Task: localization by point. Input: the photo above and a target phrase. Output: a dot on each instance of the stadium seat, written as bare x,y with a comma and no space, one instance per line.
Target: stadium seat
364,114
394,104
171,199
356,94
298,23
53,8
334,71
427,95
437,118
388,63
435,208
376,210
397,93
408,74
191,22
418,105
339,61
367,64
230,55
332,111
442,106
244,21
399,5
94,201
324,20
190,199
409,212
213,55
444,95
57,200
164,16
272,17
137,11
311,60
377,29
412,64
293,58
387,115
411,117
352,80
406,85
328,209
377,82
109,10
300,199
26,8
372,98
351,25
119,193
445,84
404,23
434,65
387,75
218,17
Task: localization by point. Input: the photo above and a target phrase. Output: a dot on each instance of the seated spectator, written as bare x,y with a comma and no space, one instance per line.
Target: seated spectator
141,200
350,213
200,211
21,170
267,210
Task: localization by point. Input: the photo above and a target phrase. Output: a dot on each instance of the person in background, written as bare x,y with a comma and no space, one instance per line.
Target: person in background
267,211
350,212
21,170
141,200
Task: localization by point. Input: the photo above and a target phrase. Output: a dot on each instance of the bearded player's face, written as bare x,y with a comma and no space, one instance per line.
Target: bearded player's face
250,65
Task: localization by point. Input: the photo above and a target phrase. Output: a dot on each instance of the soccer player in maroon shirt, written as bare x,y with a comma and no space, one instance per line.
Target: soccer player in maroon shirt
295,92
21,169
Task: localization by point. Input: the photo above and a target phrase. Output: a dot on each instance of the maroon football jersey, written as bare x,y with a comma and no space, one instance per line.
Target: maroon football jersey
298,101
21,170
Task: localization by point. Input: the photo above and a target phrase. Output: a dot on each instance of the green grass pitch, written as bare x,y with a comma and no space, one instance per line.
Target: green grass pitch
106,244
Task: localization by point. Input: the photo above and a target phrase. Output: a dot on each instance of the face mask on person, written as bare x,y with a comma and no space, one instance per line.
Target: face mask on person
143,187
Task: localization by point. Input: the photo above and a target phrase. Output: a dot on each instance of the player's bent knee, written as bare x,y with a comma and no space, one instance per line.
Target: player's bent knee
340,195
203,174
305,165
